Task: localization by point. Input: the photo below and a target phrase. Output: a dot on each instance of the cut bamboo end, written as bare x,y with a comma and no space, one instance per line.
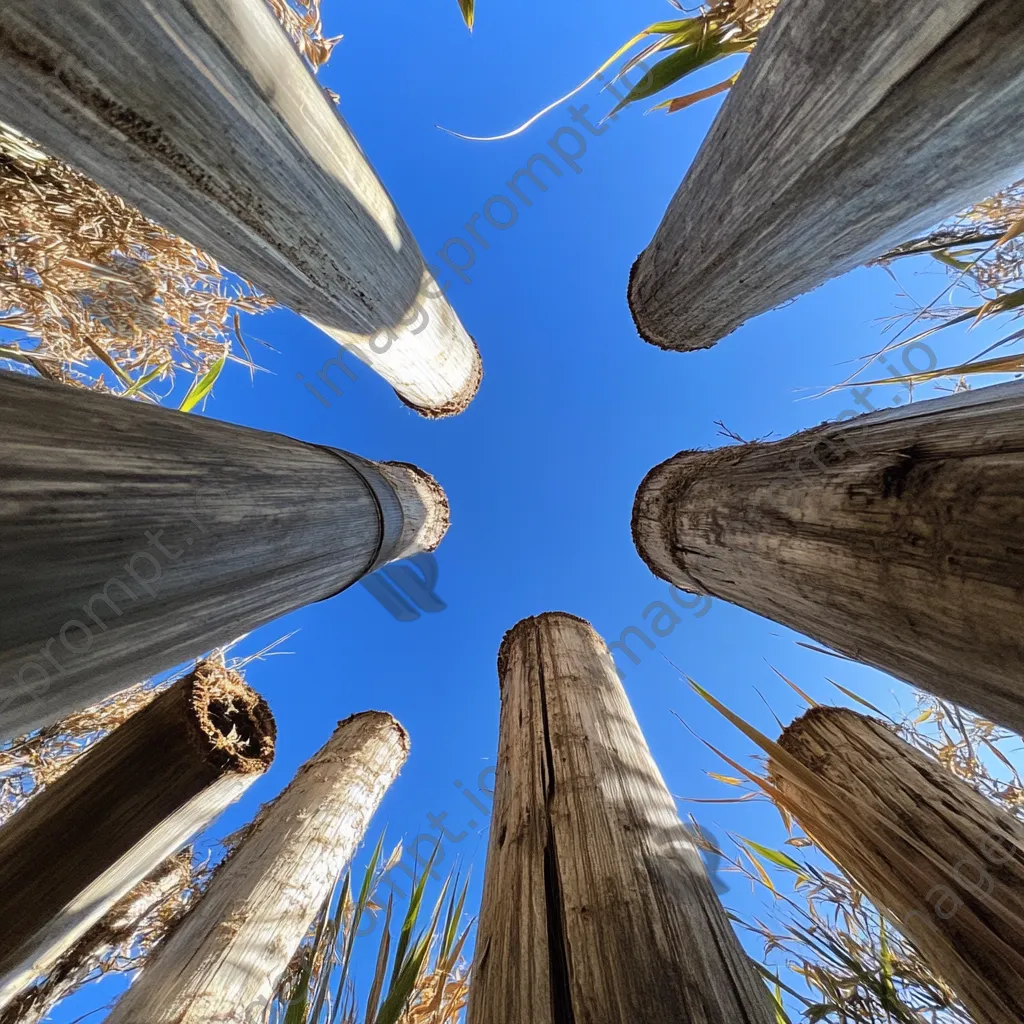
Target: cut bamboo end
638,301
461,395
642,295
233,723
124,807
383,722
660,493
426,507
224,960
795,736
526,627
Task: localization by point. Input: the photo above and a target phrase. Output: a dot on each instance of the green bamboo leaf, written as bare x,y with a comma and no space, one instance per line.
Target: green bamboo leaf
944,257
412,915
400,990
777,857
202,386
468,8
683,62
144,380
383,952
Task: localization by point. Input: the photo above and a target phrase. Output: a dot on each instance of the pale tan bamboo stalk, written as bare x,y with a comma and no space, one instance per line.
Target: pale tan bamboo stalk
131,801
893,538
135,538
202,114
596,905
945,864
224,960
853,126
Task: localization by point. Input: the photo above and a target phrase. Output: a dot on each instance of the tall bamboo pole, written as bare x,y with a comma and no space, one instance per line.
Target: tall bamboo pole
134,538
596,906
853,126
224,960
893,538
149,908
940,860
202,114
75,849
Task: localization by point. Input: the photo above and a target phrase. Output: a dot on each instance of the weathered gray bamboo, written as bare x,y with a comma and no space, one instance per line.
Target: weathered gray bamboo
224,960
134,538
131,801
893,538
149,908
202,114
596,906
853,126
944,863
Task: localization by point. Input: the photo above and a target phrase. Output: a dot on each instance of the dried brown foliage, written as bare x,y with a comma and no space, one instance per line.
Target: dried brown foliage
89,287
85,278
749,15
301,20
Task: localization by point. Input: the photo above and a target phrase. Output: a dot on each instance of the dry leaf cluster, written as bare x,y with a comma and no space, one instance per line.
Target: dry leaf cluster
94,294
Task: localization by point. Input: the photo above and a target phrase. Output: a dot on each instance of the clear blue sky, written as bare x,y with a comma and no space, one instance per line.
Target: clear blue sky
574,409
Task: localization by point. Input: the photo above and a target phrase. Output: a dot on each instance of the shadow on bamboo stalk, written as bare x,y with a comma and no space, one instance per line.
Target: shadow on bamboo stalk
853,126
226,957
203,115
131,801
596,904
143,916
941,861
135,538
945,864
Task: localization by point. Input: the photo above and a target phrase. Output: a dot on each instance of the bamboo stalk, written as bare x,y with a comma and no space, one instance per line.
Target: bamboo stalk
133,539
596,906
202,114
893,538
148,908
854,126
224,960
945,864
131,801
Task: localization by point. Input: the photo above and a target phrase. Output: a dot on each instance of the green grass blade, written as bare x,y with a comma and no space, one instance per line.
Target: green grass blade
383,952
678,65
202,386
144,380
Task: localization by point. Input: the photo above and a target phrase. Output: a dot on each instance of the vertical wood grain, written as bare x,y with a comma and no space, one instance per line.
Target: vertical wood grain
853,126
202,114
940,860
596,905
135,538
